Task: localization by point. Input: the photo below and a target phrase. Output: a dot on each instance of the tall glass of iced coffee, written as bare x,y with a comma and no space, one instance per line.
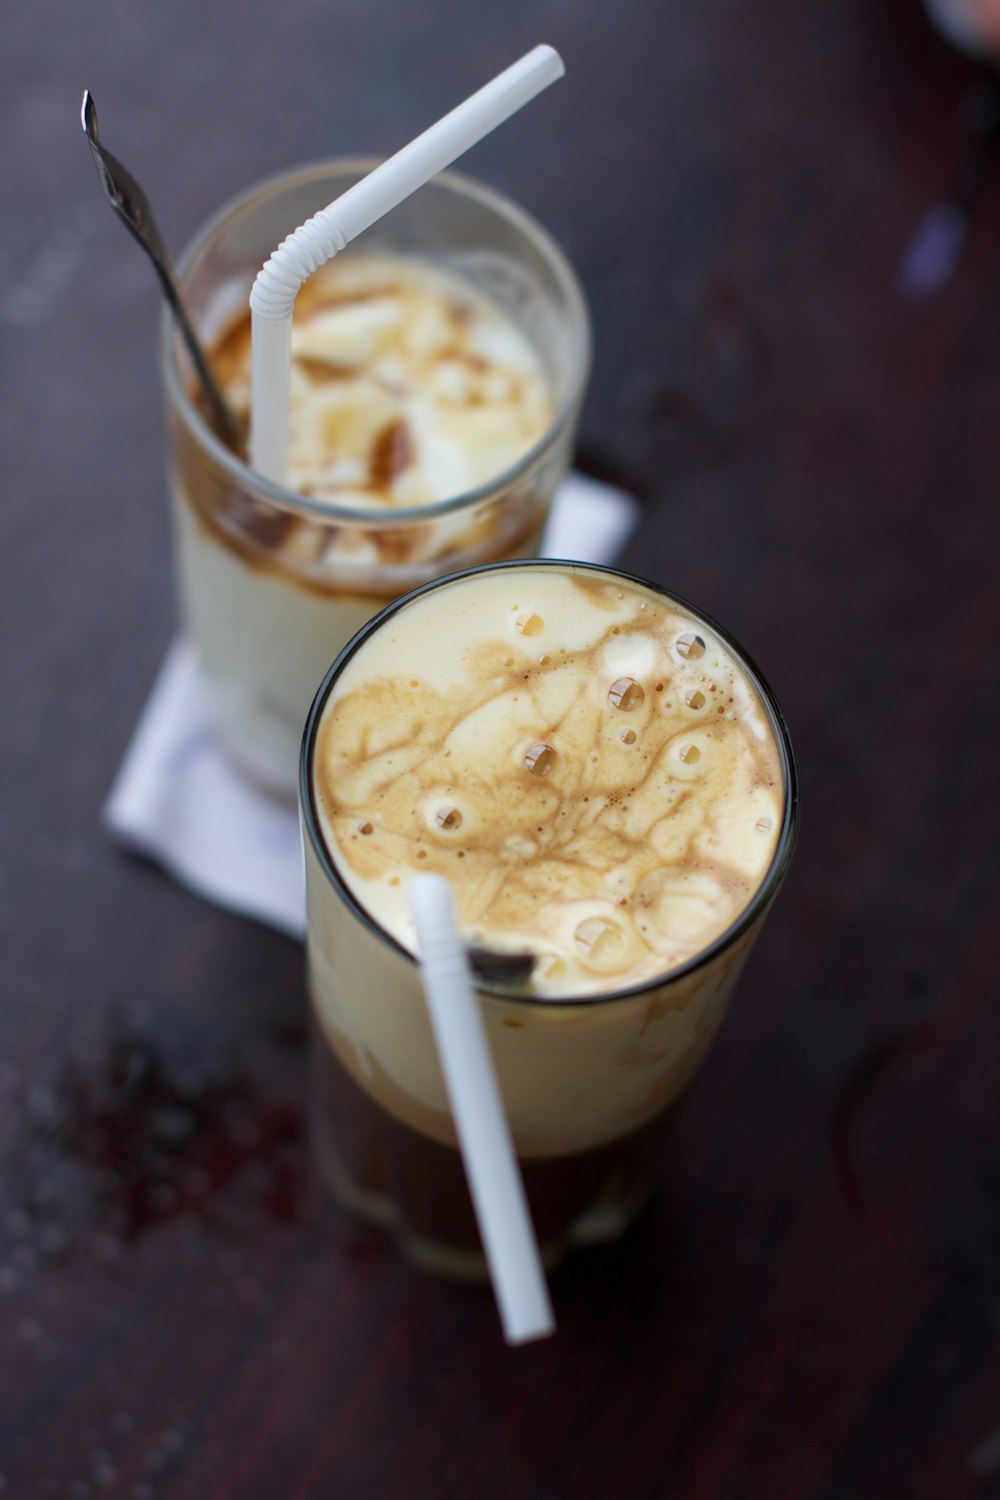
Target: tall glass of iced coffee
606,781
438,368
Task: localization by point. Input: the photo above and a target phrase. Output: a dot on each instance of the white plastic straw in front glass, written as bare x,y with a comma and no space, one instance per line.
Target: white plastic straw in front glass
481,1125
272,297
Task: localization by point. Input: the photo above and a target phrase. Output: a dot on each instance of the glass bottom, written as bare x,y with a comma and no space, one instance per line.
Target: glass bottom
392,1176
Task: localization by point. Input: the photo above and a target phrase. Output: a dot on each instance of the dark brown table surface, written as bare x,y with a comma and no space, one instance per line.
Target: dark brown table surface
812,1307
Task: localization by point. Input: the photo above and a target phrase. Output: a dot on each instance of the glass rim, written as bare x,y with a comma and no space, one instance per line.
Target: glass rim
765,891
308,506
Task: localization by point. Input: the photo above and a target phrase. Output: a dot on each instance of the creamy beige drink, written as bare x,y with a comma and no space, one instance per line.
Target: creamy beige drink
408,386
436,377
608,787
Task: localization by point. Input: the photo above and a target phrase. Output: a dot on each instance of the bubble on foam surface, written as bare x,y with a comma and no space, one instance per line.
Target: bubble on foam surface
625,693
600,941
690,645
681,907
689,755
448,817
694,698
540,759
529,624
628,736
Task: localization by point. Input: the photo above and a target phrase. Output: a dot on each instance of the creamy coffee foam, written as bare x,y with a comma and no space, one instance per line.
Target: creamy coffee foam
587,765
408,386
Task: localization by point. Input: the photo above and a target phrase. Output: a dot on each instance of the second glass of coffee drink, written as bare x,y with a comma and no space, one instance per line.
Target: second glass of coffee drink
438,368
607,783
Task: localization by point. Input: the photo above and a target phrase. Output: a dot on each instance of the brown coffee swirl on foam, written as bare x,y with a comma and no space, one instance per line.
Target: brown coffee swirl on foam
587,764
408,387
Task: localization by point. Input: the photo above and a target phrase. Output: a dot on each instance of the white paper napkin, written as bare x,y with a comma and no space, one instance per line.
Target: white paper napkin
177,800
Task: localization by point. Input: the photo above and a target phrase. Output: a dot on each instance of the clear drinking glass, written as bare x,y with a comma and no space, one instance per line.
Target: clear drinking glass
591,1086
272,583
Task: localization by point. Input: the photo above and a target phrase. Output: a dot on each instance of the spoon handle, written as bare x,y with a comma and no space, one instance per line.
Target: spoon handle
131,205
222,415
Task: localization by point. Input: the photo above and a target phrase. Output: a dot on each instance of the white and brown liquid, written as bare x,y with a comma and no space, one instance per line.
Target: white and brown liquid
408,388
596,774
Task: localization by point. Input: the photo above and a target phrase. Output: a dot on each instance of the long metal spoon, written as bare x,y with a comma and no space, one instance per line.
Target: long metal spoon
132,206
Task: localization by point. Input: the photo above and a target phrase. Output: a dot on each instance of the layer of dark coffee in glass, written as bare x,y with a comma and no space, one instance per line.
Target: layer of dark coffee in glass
418,1186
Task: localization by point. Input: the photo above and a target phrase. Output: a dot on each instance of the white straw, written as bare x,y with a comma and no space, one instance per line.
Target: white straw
272,297
480,1122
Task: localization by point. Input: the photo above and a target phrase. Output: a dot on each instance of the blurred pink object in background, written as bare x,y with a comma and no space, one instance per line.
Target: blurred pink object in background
972,25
